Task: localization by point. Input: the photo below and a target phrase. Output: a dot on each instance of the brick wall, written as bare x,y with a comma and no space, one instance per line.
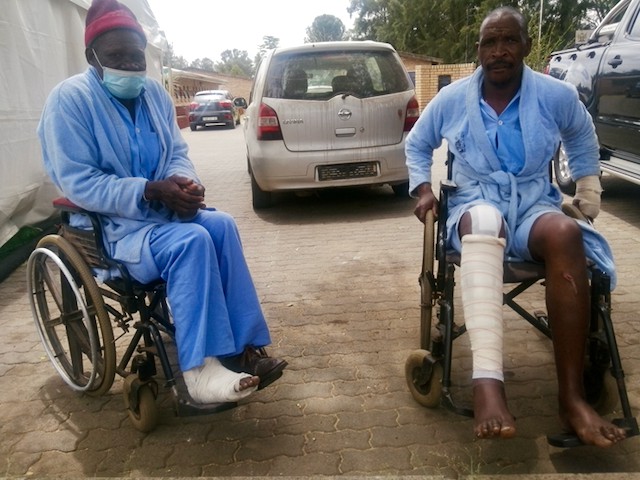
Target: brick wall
238,86
428,78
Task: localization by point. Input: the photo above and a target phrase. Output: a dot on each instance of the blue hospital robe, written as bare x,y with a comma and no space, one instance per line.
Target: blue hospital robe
549,111
87,153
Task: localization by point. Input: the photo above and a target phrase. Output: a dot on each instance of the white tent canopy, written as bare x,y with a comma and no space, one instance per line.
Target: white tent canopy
41,44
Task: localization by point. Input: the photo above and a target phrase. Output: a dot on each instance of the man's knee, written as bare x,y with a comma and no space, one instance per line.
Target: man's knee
555,234
483,220
217,223
191,237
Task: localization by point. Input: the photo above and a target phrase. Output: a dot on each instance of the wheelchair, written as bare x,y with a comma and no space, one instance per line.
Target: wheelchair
428,370
75,316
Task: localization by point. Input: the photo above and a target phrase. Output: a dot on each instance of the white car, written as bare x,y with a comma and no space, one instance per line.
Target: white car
329,114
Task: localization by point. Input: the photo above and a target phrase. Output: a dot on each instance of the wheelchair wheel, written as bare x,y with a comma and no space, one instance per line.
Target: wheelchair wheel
426,278
70,316
424,378
140,401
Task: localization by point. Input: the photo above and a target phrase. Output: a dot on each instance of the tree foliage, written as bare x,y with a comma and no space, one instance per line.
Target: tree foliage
268,42
325,28
449,28
235,62
203,64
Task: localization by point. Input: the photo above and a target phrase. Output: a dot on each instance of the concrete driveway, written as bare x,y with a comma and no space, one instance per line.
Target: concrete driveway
337,276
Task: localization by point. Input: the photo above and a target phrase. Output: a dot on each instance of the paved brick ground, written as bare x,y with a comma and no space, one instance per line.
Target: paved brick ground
337,276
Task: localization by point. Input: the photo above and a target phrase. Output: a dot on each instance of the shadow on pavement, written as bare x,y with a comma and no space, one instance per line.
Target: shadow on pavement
341,205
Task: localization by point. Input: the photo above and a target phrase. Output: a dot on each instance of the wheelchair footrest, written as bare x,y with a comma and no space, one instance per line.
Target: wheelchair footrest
186,407
183,404
564,440
448,402
571,440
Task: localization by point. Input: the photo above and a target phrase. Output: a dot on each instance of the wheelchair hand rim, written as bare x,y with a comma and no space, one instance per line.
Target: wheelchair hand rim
85,314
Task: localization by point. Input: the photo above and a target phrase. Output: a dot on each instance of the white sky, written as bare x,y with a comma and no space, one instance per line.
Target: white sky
206,28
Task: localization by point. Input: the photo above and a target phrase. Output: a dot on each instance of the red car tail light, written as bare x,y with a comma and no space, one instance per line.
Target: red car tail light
413,113
193,106
268,124
226,104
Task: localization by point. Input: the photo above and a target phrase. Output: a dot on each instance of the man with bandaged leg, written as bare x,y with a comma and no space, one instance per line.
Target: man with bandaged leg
503,125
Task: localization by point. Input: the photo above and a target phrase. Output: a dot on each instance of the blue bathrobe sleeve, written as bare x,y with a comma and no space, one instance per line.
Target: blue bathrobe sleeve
86,152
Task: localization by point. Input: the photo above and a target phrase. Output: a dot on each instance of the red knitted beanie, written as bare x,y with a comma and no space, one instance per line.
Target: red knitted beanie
106,15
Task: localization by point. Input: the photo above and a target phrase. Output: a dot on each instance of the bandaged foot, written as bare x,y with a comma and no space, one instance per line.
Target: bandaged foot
481,278
213,383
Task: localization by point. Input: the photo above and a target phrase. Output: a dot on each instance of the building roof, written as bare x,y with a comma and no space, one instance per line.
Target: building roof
421,58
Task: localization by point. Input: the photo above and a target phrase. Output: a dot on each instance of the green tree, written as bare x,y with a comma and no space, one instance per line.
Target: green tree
179,62
325,28
203,64
268,43
449,28
235,62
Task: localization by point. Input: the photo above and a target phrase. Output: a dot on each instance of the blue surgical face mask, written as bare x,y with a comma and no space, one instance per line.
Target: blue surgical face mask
124,84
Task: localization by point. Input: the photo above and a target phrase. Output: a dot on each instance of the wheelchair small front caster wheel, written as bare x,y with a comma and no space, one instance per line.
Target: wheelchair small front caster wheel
140,401
424,378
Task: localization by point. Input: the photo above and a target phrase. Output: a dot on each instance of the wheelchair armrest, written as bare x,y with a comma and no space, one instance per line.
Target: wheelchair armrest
89,242
67,207
65,204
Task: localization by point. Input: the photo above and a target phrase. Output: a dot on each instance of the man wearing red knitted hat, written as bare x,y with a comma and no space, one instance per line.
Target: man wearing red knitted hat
111,144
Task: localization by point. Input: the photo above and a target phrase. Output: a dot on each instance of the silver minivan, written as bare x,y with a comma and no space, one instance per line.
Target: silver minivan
329,114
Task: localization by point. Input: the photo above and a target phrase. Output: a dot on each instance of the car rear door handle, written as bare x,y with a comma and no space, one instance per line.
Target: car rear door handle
345,132
615,61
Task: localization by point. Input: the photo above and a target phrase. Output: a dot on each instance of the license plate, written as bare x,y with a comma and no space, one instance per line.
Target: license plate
347,171
210,119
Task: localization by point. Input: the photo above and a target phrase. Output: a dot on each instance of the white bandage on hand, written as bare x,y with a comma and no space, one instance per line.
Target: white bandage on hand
587,197
481,279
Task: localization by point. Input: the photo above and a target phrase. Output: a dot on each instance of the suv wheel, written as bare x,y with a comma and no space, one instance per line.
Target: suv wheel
562,173
261,199
401,190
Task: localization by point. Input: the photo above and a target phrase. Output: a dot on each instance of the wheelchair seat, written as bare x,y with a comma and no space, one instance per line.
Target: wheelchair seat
428,370
75,316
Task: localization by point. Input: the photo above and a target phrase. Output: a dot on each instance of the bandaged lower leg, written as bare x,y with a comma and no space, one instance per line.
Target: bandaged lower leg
481,275
213,383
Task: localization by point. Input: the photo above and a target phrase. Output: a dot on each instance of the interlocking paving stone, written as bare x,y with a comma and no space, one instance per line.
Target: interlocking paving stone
337,278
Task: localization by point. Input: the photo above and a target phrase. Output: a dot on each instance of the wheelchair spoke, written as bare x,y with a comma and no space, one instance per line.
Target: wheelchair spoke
52,284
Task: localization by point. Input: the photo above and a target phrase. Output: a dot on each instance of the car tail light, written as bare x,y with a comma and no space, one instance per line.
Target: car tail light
413,112
193,106
268,124
226,104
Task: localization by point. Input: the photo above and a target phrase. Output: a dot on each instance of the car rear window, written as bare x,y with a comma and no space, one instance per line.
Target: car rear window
321,75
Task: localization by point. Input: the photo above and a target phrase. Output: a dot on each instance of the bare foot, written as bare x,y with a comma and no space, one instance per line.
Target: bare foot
247,382
579,417
491,415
